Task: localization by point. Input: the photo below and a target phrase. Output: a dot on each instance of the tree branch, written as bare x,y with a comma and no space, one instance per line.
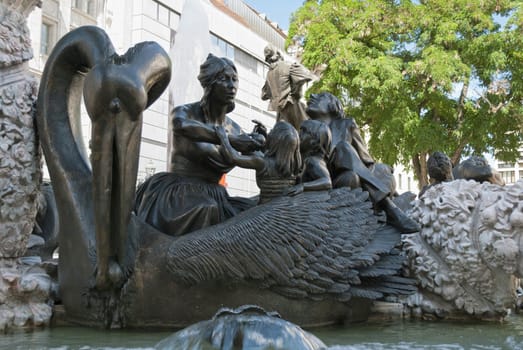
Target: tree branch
457,152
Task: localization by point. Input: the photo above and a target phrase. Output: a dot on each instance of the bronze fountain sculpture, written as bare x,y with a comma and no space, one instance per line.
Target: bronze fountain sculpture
318,257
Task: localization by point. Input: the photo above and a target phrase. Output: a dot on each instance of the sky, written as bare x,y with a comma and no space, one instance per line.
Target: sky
278,11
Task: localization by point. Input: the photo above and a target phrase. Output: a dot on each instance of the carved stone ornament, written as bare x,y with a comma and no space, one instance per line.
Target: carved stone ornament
15,42
24,287
468,253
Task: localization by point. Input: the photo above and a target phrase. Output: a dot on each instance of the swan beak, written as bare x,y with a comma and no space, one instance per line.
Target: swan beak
116,92
115,101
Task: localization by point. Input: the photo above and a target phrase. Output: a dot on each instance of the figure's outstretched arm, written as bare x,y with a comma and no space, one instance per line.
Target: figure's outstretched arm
193,129
201,132
247,143
320,184
244,161
320,176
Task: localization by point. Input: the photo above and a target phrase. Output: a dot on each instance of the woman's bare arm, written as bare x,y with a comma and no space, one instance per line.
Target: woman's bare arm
249,162
194,130
201,132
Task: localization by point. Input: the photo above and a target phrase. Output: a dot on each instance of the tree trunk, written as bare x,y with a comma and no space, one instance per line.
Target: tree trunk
419,164
456,156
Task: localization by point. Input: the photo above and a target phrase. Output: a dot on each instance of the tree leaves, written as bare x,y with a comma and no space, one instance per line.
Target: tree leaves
422,75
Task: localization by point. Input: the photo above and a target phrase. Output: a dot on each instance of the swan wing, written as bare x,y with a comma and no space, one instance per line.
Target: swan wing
313,245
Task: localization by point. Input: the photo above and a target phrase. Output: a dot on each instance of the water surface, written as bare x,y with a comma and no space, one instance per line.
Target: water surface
427,335
393,335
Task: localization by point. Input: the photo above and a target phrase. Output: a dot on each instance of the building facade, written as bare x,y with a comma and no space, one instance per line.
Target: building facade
235,31
510,172
405,180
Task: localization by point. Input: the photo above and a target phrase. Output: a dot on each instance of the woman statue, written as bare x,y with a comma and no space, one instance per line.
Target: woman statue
189,197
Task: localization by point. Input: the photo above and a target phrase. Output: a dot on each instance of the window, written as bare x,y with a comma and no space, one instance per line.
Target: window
78,4
508,176
45,39
91,8
174,20
214,40
230,51
87,6
504,165
163,15
246,60
222,47
150,8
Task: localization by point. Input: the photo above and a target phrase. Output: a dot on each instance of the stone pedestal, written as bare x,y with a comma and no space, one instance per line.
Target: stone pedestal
24,289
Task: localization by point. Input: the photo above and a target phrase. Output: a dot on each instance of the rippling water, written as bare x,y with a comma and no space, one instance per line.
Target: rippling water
398,335
427,335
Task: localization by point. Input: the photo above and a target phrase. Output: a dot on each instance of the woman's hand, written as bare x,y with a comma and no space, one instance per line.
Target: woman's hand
258,140
248,143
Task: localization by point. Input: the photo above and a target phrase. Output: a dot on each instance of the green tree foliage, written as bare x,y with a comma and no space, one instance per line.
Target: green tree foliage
423,75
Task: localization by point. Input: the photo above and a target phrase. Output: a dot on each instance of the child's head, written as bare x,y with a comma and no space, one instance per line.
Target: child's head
439,167
315,138
324,107
283,144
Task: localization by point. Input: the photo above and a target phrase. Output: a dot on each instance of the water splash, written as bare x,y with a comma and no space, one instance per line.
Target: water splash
191,46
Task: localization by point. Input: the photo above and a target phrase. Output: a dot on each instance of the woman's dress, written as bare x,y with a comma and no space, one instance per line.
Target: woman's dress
189,198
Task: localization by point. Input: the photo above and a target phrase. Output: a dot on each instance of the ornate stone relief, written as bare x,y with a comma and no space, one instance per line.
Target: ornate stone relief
468,254
24,287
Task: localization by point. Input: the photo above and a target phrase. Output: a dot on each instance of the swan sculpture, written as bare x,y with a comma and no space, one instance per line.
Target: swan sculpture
316,258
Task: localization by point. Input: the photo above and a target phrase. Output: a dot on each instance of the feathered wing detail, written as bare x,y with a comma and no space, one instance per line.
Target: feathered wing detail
314,245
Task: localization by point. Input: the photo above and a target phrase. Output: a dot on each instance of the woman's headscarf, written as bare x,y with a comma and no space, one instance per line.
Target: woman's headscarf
209,71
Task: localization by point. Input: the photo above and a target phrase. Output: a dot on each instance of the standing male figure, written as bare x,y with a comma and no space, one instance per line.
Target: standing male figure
283,87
